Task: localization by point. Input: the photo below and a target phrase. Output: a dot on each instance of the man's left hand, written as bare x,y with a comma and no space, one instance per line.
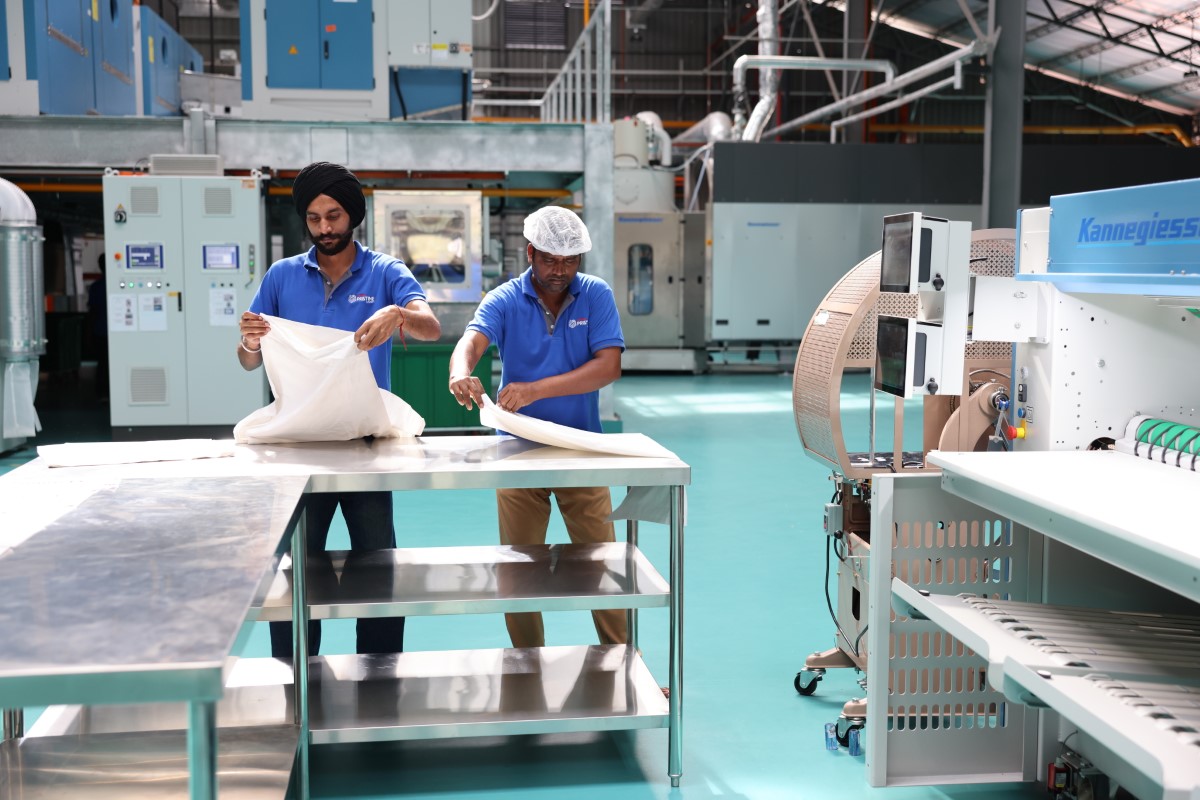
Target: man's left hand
516,396
379,328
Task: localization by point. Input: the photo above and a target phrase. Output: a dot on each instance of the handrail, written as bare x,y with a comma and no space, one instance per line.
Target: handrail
582,89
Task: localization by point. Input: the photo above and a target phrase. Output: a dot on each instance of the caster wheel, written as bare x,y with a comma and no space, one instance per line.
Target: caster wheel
843,730
806,682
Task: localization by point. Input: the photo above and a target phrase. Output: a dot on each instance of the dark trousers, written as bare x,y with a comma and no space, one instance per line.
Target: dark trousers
368,518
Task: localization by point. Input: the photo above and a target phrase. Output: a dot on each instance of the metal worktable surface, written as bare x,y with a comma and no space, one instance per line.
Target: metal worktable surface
429,462
195,530
139,589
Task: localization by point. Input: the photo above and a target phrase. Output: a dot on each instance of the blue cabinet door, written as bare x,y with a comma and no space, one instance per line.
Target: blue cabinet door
190,58
293,45
346,44
65,81
5,67
112,58
160,66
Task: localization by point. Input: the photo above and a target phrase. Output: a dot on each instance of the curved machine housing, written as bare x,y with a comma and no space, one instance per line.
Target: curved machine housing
841,336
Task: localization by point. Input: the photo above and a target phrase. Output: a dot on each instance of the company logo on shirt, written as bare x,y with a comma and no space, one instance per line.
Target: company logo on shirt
362,298
576,322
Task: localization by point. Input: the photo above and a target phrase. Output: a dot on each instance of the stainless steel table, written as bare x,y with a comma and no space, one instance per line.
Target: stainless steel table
620,695
506,691
138,592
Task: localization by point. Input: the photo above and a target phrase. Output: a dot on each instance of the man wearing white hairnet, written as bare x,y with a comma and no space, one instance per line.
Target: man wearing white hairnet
559,337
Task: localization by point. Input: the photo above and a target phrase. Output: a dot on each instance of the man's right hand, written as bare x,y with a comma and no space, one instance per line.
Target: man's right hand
253,327
467,389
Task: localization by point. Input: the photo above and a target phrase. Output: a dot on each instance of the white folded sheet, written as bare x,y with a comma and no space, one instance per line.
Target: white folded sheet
324,391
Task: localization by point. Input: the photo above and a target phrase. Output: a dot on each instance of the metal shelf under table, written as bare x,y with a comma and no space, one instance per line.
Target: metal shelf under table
252,764
421,695
472,580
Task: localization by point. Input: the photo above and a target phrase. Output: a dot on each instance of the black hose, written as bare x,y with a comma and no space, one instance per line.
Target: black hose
399,94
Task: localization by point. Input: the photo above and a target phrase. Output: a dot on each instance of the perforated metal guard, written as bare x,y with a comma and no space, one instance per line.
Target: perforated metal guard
841,335
940,713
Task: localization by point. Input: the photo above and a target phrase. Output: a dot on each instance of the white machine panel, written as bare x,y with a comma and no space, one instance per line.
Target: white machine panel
183,263
781,274
429,33
18,94
760,273
1109,358
648,277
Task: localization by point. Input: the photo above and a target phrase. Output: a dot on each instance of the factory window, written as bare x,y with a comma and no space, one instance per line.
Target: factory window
535,25
641,279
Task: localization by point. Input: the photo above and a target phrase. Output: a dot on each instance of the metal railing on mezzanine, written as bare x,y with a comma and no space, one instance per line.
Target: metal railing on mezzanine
582,90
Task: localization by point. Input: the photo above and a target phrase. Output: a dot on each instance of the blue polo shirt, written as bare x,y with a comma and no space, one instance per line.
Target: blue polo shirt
512,317
294,289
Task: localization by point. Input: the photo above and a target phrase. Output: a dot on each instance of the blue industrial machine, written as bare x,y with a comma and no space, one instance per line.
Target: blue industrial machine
1134,240
67,57
112,58
5,69
356,59
107,57
160,54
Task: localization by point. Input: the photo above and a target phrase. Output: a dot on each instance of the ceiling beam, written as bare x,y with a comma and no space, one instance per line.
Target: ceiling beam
1056,22
1107,41
1149,65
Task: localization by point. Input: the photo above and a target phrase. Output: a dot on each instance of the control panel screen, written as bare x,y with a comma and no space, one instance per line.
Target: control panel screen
220,256
896,270
143,256
891,355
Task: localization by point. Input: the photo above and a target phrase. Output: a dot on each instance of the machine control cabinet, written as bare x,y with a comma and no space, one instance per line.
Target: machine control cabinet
184,259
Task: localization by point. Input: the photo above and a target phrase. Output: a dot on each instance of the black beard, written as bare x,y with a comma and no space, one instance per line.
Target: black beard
340,243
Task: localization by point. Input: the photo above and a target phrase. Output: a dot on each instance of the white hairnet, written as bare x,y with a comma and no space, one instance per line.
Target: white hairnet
557,231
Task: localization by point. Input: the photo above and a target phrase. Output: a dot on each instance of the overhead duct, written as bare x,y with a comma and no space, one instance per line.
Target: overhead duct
636,18
660,142
716,127
752,133
768,79
22,315
948,61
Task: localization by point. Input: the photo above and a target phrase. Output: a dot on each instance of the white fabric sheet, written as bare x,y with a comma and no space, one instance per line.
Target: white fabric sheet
551,433
93,454
20,418
648,504
324,391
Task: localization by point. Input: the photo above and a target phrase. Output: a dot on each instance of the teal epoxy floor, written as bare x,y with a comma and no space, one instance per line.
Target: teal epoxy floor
754,609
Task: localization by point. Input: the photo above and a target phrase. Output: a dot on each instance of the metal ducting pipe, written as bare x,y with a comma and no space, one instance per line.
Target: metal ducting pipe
22,315
637,16
746,63
768,79
716,127
660,149
975,48
22,304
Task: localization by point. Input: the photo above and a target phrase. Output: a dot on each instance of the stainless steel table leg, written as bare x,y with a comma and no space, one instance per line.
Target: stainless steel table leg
202,750
675,741
14,723
631,615
300,651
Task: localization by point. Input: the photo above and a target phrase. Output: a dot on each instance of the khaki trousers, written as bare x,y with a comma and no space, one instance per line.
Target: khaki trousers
524,515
